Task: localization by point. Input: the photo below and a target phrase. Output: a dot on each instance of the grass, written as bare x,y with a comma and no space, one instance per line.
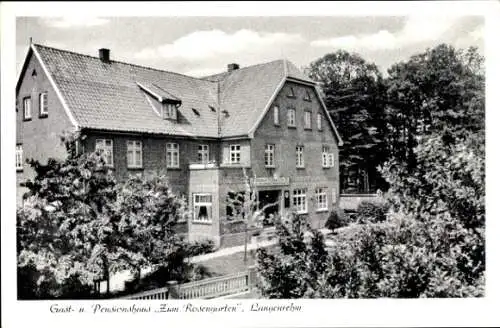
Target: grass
229,264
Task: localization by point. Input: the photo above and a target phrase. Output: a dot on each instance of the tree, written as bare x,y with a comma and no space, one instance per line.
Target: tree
432,241
246,205
433,92
354,94
66,226
294,269
78,223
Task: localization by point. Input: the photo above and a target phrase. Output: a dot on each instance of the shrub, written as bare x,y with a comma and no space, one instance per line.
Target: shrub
337,219
371,212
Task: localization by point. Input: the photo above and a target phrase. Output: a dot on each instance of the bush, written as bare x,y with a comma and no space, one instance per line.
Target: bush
372,212
337,219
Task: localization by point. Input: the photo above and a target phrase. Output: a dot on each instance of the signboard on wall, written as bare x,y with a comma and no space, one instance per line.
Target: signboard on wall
269,182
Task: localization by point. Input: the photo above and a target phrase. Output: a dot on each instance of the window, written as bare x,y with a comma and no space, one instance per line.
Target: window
291,93
234,154
327,157
44,107
172,155
319,122
19,157
291,117
27,108
134,154
169,111
307,120
105,147
202,205
299,200
203,153
269,156
307,96
299,156
334,195
321,199
276,113
235,204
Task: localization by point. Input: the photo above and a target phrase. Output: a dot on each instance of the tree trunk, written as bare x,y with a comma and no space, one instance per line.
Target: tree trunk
246,241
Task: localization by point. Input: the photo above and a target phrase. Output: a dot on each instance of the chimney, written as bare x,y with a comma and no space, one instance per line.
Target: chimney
232,67
104,55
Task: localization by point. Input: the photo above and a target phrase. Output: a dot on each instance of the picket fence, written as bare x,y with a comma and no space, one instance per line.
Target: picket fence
201,289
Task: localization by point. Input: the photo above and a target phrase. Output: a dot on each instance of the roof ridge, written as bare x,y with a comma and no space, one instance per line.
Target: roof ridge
242,68
124,63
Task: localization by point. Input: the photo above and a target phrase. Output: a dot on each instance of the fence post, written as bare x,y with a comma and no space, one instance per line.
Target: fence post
252,276
173,289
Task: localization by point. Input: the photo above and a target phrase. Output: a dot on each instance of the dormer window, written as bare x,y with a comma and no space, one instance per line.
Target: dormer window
291,93
169,111
163,102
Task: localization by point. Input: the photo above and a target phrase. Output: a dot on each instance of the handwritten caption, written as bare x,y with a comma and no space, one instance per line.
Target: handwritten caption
99,308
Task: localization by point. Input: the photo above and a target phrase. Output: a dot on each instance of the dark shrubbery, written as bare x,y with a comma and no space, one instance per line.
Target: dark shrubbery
372,212
337,219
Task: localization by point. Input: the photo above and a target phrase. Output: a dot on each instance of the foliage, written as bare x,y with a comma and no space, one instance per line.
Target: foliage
371,212
78,223
435,91
354,94
292,271
149,212
432,241
337,219
66,226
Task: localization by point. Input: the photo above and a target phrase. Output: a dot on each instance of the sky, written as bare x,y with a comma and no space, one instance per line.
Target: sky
200,46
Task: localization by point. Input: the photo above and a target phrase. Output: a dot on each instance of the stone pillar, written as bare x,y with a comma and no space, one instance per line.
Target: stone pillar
173,289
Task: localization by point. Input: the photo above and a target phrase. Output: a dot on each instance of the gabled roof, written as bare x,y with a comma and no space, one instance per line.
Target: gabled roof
111,96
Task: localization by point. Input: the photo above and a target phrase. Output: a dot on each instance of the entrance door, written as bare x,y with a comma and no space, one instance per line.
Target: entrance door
272,198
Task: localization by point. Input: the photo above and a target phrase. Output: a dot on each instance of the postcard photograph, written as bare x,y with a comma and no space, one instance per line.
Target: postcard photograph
246,158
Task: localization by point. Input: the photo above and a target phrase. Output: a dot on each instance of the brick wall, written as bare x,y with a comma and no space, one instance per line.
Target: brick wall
40,137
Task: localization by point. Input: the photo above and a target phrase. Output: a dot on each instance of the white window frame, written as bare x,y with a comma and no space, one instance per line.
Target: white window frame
290,117
327,157
331,160
307,120
299,156
325,150
299,200
134,147
276,115
43,104
319,122
203,153
269,155
169,110
19,158
235,154
307,96
197,202
106,145
321,199
172,155
27,112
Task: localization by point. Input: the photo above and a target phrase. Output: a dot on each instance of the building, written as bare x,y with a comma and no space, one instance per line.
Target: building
200,132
